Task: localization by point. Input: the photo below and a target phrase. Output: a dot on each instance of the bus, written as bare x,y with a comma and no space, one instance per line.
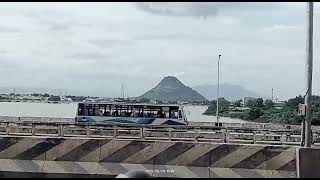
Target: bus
122,113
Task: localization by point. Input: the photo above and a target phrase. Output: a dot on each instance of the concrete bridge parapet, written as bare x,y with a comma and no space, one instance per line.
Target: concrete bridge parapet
110,156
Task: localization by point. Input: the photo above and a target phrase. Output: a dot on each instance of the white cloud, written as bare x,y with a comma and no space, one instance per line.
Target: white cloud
94,47
280,27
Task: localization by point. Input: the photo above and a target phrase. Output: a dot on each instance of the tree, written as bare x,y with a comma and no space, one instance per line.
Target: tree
269,104
315,116
144,100
223,107
251,103
294,102
259,103
238,103
46,95
252,114
54,98
265,112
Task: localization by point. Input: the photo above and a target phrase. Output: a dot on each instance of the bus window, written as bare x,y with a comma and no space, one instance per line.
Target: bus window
85,113
180,114
96,112
175,114
115,113
80,109
106,113
161,114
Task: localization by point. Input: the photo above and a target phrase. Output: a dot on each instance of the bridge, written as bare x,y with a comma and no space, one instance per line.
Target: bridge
163,151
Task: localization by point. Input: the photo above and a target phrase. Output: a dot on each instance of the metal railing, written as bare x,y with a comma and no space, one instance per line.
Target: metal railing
242,135
191,123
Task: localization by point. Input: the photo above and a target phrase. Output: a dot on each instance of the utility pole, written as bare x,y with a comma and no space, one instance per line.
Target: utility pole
217,112
272,94
309,64
122,91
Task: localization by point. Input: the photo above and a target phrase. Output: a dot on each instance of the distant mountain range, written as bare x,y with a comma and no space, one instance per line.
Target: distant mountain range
228,91
171,89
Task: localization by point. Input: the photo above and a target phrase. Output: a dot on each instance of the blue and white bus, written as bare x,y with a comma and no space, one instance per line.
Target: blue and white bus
122,113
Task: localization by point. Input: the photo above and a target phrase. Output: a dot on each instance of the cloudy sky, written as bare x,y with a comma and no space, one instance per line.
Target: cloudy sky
92,48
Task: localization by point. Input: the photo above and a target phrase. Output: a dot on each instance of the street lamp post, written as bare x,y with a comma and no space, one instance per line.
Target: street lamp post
309,64
217,112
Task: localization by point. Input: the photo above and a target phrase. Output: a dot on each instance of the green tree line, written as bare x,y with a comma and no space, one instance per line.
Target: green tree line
266,111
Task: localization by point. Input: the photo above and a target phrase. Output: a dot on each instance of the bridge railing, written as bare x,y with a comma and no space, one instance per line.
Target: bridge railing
254,125
244,135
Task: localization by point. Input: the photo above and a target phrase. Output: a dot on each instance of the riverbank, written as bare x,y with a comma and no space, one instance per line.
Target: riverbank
195,114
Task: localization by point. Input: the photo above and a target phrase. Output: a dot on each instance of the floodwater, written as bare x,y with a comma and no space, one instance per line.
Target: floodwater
194,113
20,109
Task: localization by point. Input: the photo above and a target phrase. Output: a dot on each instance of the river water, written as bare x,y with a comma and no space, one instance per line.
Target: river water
19,109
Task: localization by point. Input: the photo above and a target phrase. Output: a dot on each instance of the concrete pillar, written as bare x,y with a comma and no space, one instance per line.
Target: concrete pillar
196,134
142,133
308,160
33,130
7,129
227,136
170,135
60,130
254,138
88,131
115,132
283,138
223,135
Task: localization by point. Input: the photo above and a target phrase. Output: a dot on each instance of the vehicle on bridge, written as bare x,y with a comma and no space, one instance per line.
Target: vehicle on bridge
122,113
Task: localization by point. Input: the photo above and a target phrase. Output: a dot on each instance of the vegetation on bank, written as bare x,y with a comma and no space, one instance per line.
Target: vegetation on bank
265,111
54,98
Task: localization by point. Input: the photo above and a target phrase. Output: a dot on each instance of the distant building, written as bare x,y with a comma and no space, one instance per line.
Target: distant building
153,101
119,100
65,99
279,104
232,107
133,99
89,100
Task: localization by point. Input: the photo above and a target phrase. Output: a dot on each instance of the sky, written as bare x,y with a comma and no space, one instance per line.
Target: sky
92,48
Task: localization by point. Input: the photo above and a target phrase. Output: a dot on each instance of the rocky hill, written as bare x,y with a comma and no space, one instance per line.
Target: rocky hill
171,89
